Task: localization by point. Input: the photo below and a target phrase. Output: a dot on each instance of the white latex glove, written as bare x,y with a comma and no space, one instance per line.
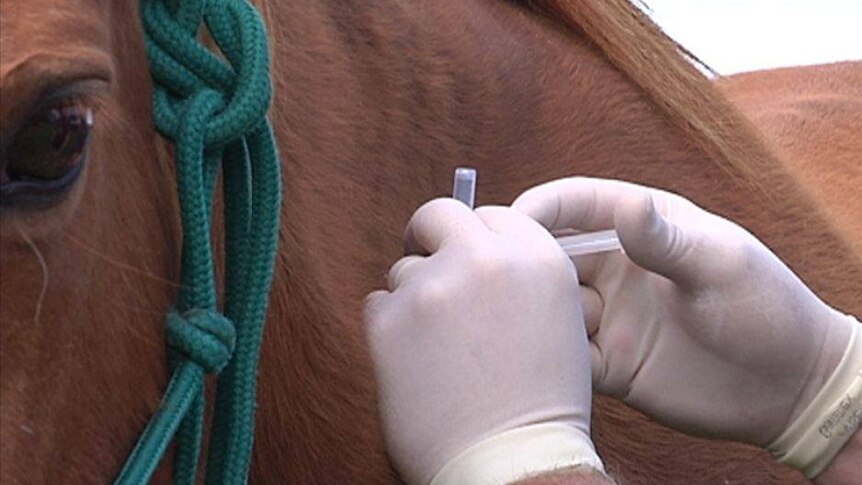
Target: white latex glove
480,350
698,324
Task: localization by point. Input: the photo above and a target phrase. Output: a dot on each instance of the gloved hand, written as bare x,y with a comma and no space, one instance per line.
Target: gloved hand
697,324
480,350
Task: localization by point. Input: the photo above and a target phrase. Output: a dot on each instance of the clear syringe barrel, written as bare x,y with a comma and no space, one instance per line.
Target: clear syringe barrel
464,189
590,242
464,186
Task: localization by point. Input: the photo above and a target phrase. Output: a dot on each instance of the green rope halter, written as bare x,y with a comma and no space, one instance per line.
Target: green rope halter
215,112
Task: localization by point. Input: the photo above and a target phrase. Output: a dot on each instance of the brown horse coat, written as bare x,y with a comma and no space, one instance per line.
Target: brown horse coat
376,103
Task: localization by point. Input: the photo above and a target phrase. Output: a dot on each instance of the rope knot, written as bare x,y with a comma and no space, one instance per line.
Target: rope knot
205,337
182,66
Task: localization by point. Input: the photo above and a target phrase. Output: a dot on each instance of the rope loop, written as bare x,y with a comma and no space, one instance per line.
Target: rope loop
205,337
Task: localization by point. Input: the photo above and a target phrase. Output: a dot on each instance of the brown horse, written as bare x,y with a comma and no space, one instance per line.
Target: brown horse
376,103
813,115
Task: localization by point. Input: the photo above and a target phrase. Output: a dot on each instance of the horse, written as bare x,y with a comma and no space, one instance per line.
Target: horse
811,115
375,103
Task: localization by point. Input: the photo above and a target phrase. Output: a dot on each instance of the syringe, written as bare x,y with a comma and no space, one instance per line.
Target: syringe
464,189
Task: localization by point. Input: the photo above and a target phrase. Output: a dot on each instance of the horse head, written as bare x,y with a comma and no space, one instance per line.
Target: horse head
89,254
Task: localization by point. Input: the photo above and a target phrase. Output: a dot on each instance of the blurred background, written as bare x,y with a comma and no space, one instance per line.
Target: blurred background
746,35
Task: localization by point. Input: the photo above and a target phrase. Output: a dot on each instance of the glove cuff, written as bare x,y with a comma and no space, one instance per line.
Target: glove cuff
520,453
811,442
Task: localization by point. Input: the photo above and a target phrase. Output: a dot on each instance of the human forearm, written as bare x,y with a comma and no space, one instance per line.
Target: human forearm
845,469
576,476
528,451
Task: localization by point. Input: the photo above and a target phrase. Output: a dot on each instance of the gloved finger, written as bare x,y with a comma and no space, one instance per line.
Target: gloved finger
585,204
656,244
436,222
402,270
505,221
373,311
588,267
593,306
597,366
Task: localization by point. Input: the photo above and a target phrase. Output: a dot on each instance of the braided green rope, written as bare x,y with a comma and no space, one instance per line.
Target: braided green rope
215,112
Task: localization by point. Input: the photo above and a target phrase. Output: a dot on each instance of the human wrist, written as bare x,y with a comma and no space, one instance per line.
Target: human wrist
577,475
816,434
837,331
521,453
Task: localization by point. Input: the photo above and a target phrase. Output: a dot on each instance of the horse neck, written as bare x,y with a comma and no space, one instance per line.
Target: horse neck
376,103
487,83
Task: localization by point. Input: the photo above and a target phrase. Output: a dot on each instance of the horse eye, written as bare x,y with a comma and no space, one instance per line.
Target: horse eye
47,154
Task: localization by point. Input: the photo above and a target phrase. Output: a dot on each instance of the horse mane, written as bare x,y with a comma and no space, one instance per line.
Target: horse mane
668,74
